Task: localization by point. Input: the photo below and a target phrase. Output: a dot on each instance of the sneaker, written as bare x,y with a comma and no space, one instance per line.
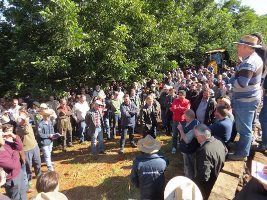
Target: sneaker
235,157
173,150
261,148
102,153
133,145
121,151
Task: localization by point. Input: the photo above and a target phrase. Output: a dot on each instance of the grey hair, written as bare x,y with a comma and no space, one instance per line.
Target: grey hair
203,130
190,113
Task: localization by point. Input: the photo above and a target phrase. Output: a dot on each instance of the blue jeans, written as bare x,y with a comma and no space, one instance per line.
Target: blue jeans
97,135
107,127
16,188
33,159
47,150
116,123
82,129
263,121
244,114
125,131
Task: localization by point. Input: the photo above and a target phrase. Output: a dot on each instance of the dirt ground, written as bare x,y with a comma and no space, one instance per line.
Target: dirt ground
84,178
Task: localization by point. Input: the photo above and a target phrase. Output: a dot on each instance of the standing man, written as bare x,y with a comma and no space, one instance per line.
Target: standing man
246,93
79,111
95,124
210,158
178,108
149,115
64,124
128,114
148,169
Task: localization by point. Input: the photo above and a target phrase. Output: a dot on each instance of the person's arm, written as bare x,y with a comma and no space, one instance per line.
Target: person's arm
181,130
244,75
8,162
203,168
134,174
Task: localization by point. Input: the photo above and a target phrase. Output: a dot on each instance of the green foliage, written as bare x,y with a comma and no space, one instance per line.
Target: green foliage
51,45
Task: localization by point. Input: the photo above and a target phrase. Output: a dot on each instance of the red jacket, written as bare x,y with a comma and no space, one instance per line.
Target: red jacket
178,108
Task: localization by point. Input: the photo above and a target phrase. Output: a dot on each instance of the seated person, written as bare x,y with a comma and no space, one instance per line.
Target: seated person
47,187
222,127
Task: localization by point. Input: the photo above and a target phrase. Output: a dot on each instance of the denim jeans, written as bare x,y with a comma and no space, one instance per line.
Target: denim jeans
163,118
244,114
125,131
107,127
33,159
189,165
82,130
47,150
116,123
25,176
97,135
16,188
263,121
175,133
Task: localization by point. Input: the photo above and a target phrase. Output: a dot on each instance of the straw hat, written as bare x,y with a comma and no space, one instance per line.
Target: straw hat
249,40
148,145
43,106
182,188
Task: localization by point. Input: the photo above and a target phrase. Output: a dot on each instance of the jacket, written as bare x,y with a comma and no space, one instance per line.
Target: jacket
128,113
210,158
209,114
178,108
148,175
44,133
90,121
149,116
9,158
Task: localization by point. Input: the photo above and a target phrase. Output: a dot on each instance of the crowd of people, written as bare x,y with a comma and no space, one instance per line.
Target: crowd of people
200,110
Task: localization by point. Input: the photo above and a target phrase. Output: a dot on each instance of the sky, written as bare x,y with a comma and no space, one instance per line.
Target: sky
260,6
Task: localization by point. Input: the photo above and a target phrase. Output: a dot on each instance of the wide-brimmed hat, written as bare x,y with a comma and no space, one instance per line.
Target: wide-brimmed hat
180,188
148,145
98,102
249,40
43,106
227,101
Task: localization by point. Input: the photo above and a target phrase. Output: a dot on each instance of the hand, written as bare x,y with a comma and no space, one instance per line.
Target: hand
180,127
9,134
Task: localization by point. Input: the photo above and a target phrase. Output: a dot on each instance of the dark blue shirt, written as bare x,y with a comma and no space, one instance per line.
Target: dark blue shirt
222,129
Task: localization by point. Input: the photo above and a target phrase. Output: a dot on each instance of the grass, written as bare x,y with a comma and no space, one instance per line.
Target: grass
84,178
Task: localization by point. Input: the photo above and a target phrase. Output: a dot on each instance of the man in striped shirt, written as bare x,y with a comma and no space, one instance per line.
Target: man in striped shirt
246,93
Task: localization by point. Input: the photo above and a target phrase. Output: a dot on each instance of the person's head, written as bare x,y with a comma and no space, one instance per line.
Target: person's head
202,133
221,112
246,45
51,98
97,104
82,98
97,88
116,94
181,94
149,100
206,94
63,102
132,92
15,102
47,182
127,99
224,102
189,115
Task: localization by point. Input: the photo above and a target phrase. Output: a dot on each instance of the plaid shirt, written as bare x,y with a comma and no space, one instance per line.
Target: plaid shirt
97,119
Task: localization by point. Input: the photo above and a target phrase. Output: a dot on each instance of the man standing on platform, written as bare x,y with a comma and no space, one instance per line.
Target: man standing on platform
246,93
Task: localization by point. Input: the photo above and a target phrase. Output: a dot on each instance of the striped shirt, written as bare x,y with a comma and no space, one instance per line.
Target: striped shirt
246,86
